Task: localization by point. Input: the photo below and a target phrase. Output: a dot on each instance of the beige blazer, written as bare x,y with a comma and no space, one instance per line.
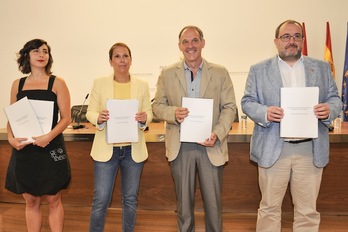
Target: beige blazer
216,84
103,88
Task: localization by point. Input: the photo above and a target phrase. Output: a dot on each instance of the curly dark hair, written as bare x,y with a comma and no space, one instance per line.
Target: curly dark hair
23,56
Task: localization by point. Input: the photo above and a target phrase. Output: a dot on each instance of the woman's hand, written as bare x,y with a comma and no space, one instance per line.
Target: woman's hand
18,143
42,141
141,117
103,116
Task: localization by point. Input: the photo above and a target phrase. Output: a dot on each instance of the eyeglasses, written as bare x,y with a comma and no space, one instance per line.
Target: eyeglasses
286,38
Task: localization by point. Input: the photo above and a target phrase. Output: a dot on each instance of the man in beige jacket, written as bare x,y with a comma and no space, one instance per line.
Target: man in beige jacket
196,78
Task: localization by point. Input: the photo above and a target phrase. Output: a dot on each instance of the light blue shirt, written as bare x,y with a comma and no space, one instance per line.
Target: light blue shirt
193,84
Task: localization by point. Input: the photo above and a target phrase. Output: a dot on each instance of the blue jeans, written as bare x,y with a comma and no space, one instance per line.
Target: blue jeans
104,180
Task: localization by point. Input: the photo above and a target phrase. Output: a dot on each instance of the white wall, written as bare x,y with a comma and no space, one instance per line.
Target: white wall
80,33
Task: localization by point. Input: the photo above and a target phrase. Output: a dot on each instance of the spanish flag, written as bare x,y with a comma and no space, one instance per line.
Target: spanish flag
328,50
304,46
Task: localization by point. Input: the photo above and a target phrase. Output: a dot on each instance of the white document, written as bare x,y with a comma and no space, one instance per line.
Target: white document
122,126
197,126
44,113
299,119
23,120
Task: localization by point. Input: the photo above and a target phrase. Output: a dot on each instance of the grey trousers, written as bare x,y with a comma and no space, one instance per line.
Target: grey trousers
193,159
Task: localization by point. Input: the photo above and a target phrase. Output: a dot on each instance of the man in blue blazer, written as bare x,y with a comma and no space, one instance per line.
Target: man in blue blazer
280,160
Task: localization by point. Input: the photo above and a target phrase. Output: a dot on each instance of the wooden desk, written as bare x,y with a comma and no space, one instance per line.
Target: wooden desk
240,186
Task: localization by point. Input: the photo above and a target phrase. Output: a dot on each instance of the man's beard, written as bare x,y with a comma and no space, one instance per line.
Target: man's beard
288,57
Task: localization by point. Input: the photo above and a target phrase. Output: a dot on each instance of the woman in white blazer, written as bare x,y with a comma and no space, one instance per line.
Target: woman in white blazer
128,156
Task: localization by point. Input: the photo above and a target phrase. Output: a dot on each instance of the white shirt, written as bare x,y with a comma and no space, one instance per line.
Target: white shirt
292,76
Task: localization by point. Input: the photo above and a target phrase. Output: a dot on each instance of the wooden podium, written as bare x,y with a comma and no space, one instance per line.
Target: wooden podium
240,186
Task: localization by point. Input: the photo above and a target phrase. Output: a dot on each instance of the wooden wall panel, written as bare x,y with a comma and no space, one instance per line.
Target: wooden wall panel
240,187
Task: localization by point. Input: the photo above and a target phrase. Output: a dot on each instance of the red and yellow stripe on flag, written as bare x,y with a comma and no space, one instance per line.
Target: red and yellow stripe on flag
328,50
304,46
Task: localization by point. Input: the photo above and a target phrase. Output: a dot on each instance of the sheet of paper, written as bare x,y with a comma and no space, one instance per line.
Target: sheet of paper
23,120
197,126
44,113
122,126
299,120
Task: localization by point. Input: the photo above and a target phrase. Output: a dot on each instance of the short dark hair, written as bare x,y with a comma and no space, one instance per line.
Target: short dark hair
200,32
23,56
119,45
289,21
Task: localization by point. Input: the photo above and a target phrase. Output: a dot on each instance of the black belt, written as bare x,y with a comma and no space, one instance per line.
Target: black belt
298,141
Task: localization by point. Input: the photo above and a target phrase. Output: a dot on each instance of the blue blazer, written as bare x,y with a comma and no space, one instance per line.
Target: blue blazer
263,90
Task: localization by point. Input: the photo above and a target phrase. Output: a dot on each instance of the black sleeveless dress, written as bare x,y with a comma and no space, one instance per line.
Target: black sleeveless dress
36,170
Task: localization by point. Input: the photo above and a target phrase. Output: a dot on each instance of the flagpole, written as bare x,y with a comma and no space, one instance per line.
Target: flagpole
345,82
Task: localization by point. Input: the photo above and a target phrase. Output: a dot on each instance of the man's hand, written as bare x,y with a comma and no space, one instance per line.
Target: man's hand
322,111
274,114
210,142
181,114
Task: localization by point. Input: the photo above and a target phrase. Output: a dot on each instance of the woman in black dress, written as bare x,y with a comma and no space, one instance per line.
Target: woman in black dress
40,169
